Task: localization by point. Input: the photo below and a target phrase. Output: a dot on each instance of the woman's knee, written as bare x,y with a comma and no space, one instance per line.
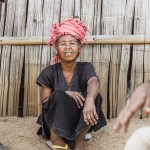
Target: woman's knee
139,140
59,95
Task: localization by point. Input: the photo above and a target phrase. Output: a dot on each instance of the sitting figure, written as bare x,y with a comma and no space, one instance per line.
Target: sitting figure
71,103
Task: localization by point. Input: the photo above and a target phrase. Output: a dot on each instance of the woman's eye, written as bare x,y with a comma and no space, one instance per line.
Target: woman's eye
72,43
62,44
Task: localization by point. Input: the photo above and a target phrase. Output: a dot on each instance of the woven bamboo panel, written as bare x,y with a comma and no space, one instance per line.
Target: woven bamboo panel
120,67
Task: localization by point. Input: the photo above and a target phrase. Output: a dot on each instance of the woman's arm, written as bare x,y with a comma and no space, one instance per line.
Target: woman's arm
45,93
93,88
89,111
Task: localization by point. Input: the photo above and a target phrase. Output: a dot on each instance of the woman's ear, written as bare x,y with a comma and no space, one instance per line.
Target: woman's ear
57,51
80,48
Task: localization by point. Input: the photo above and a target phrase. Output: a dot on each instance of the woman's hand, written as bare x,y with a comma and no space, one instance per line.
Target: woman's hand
89,112
77,97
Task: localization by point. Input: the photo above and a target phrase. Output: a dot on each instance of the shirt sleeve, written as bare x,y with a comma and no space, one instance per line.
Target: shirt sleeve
46,77
88,71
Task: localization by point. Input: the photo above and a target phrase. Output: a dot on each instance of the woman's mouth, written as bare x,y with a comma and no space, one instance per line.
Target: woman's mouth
68,53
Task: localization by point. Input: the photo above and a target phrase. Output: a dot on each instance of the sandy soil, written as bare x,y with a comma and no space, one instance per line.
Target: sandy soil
20,134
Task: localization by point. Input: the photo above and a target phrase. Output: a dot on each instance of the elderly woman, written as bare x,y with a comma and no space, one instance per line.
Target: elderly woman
69,89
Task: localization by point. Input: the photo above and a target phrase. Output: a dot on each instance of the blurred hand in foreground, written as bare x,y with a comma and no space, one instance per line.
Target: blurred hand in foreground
139,98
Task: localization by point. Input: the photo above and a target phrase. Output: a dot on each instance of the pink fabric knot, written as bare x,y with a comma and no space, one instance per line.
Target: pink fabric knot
69,26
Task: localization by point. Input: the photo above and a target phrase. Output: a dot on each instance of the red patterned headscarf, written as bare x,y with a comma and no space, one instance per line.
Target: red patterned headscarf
72,27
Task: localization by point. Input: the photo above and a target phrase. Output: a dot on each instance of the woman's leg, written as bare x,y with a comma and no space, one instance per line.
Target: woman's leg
59,117
139,140
56,140
79,141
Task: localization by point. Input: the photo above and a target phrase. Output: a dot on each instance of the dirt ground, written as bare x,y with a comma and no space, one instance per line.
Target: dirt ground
20,134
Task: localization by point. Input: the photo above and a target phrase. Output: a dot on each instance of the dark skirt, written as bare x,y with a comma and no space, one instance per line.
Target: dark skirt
61,114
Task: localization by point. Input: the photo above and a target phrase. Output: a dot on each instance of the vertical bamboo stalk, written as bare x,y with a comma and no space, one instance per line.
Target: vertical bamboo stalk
107,29
138,50
123,73
69,13
1,34
147,47
97,62
33,57
87,16
123,87
77,8
16,60
119,11
5,58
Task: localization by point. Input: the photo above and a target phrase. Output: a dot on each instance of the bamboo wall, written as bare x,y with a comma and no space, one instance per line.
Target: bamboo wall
119,66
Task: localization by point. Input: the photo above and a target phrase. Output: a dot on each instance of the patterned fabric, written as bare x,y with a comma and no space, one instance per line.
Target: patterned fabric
72,27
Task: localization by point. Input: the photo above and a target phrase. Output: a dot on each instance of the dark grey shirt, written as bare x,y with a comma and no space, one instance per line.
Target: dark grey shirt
52,76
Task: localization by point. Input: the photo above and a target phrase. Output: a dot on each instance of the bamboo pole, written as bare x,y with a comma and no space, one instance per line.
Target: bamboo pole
94,39
16,60
123,83
146,55
87,53
5,57
2,10
137,69
32,58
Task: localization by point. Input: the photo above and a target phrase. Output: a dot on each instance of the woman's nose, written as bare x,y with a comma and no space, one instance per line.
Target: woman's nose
68,46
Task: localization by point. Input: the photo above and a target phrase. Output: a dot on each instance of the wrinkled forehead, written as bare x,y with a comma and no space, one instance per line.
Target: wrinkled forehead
65,38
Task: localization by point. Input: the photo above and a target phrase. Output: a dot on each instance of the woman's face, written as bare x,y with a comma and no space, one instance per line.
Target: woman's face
68,48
